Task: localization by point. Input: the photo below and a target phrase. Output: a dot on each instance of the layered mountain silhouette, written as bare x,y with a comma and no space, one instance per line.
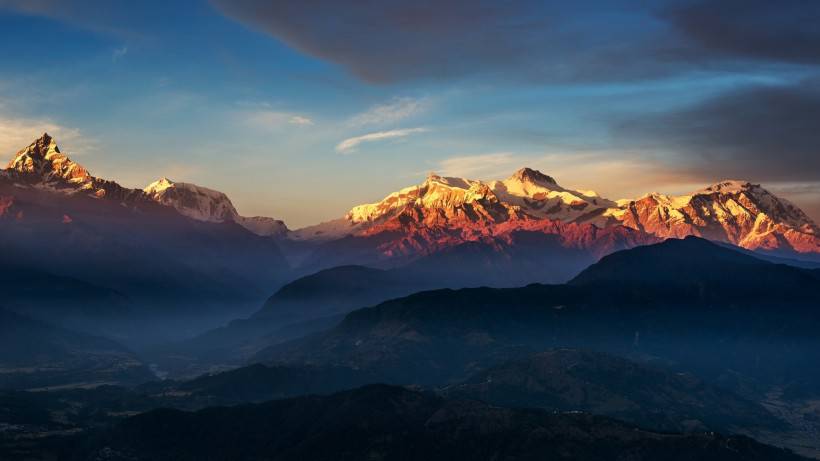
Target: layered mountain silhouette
303,306
691,308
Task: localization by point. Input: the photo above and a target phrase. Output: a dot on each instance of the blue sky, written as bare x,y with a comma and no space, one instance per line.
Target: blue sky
300,110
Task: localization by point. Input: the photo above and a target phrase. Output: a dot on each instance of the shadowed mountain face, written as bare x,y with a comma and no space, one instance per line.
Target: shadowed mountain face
33,291
384,422
338,291
696,268
441,336
573,380
306,305
35,354
147,252
470,254
258,383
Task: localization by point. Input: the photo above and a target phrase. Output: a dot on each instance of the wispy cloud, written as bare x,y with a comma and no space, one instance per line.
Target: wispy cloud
480,166
270,119
349,145
394,111
300,120
118,53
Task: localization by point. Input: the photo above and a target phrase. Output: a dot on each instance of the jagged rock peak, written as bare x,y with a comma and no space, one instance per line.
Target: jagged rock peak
42,162
535,176
40,148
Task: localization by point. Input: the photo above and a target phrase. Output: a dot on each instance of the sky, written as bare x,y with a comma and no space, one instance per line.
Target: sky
302,109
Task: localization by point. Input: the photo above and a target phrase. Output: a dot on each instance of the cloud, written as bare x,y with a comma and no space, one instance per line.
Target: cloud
394,111
394,40
351,144
119,53
761,133
270,119
300,120
783,30
530,40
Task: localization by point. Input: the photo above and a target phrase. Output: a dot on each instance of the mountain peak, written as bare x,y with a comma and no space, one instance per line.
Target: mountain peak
42,162
194,201
159,185
37,151
529,175
45,143
728,186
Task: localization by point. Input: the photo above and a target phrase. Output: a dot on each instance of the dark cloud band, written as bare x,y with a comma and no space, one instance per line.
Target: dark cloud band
599,40
769,132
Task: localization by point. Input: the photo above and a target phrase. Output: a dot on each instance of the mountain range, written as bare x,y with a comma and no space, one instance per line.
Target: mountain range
446,212
442,215
124,262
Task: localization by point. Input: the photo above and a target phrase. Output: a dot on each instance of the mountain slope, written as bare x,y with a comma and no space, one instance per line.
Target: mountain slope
575,380
35,292
693,267
337,291
35,354
383,422
304,306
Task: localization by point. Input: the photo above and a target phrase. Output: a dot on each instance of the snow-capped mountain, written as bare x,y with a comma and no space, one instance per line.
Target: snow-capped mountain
736,212
540,196
444,211
41,165
469,226
194,201
527,194
209,205
459,202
